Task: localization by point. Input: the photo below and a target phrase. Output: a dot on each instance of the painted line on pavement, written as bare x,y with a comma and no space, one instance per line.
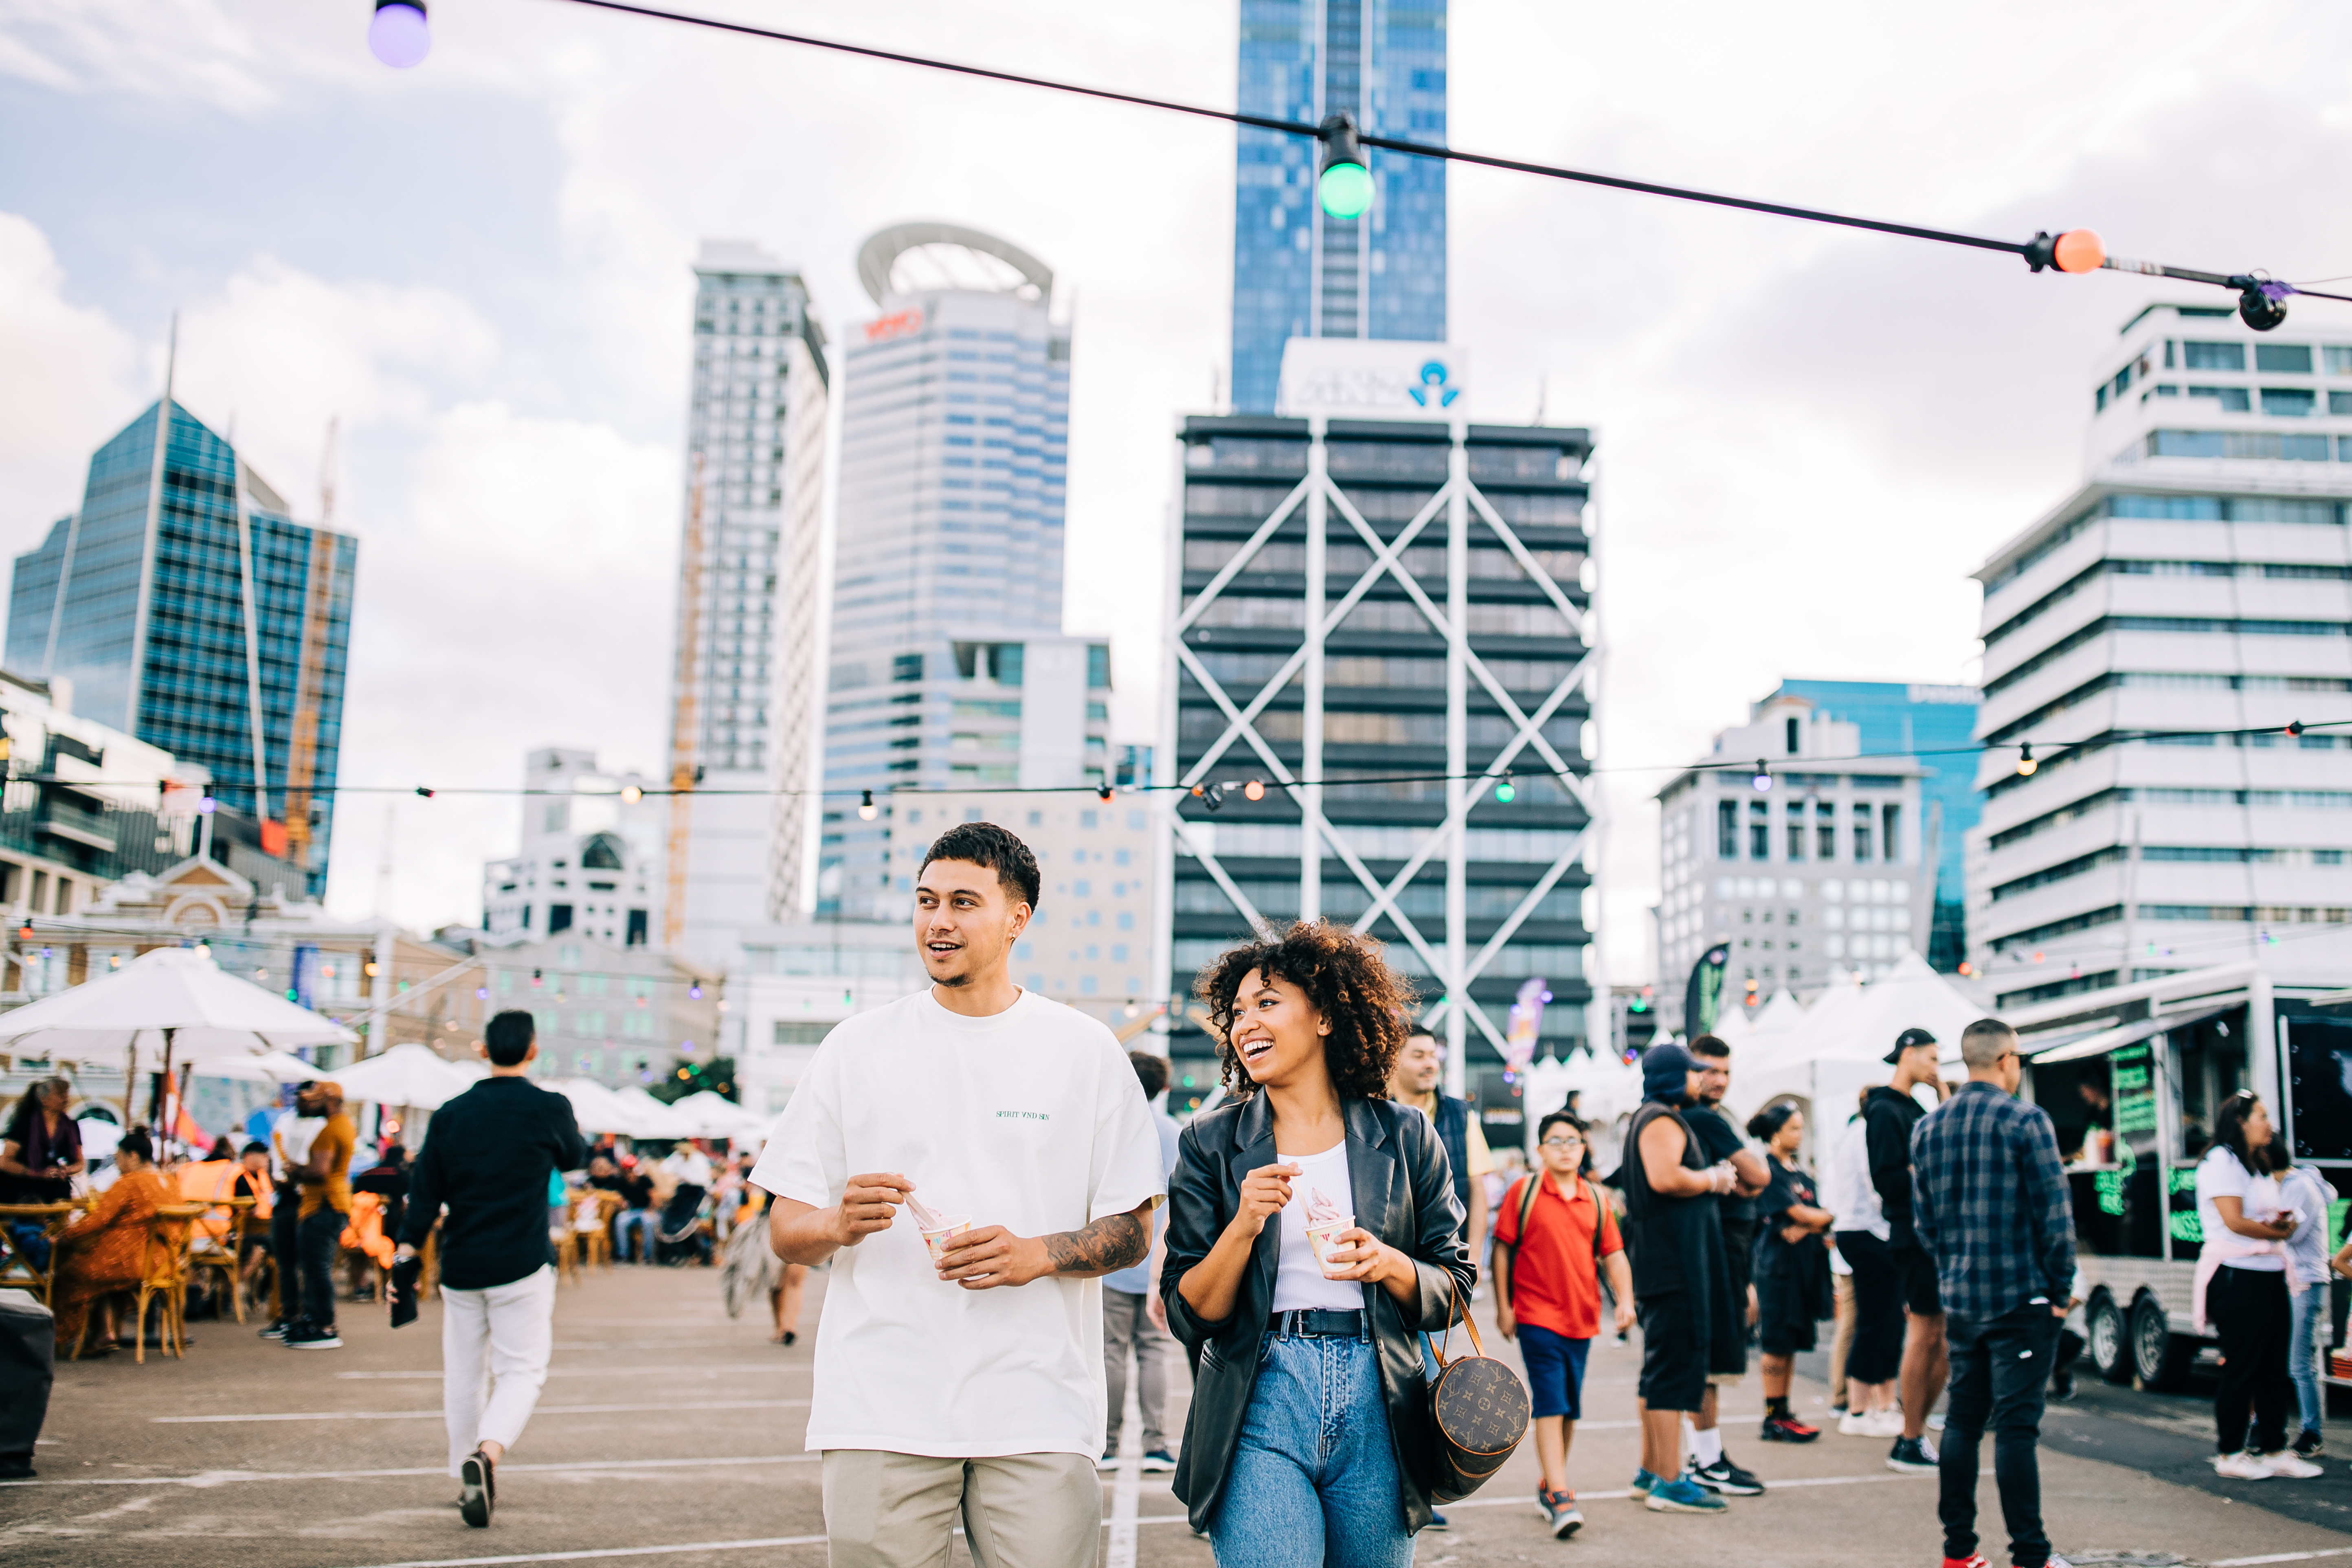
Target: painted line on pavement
2282,1557
436,1415
609,1552
587,1372
203,1478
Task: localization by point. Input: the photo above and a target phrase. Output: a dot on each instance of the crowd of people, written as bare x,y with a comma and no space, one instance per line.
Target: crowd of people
1010,1218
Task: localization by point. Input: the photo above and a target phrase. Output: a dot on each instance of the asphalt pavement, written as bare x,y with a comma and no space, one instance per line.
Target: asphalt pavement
671,1434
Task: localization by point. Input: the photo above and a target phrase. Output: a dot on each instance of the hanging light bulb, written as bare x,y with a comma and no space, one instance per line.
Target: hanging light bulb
2025,763
1254,790
1506,791
1103,791
397,33
631,795
1344,185
1763,779
866,810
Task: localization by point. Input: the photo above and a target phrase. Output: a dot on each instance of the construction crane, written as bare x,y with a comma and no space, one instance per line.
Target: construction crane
310,671
685,718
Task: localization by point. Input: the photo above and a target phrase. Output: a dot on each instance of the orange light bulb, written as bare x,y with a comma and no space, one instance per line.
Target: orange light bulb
2080,251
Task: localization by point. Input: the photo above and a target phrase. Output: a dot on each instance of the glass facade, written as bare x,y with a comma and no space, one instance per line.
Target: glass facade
948,560
155,636
1903,720
1298,273
1381,726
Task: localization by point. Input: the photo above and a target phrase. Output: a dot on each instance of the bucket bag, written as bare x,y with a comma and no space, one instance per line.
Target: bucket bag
1477,1412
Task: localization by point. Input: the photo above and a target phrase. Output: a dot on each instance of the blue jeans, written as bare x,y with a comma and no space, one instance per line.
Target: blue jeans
1314,1480
2310,1313
647,1223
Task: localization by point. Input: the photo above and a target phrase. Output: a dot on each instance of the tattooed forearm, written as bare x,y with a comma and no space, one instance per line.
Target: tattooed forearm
1110,1244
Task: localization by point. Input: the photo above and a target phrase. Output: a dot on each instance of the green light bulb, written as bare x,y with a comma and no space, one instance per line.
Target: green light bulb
1345,190
1507,791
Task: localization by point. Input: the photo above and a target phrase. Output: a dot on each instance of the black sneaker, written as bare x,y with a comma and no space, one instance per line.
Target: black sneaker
1727,1479
2311,1445
1912,1455
277,1330
477,1489
1437,1520
310,1337
2062,1385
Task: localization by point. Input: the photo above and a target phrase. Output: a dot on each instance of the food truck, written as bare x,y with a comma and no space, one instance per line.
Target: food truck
2131,1076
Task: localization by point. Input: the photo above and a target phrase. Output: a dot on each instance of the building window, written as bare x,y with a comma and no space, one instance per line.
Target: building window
638,930
2288,402
1861,833
2213,356
559,918
2229,399
1796,831
1825,830
1726,831
1890,843
1759,831
2282,359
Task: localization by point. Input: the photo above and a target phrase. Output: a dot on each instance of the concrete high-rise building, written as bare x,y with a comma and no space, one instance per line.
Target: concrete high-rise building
2198,582
750,659
1935,725
187,608
1820,875
1381,620
948,665
1298,273
590,860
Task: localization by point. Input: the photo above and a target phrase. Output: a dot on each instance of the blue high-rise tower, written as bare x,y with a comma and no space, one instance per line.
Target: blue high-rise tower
1297,272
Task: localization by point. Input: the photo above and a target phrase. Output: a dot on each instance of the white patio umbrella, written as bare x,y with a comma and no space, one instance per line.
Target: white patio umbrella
595,1108
655,1119
410,1074
716,1116
270,1067
174,1004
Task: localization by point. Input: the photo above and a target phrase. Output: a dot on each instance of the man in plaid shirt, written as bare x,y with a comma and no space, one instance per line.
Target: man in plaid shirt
1990,1206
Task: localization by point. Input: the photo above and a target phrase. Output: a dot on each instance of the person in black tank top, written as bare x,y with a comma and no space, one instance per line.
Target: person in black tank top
1682,1284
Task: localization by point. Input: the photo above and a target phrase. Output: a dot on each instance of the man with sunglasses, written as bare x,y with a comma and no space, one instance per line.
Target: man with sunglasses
1988,1203
1553,1239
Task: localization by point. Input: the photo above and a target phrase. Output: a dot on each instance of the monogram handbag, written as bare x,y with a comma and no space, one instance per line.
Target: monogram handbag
1478,1410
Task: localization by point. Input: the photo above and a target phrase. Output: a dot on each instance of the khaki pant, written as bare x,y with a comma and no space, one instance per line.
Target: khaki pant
1021,1511
1127,1327
1841,1288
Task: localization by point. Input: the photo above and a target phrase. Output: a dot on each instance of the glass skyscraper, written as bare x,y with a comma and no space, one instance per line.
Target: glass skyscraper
1297,272
750,661
1898,718
188,608
949,666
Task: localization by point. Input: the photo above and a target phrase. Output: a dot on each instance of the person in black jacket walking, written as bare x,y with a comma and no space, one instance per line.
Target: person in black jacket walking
488,1156
1313,1233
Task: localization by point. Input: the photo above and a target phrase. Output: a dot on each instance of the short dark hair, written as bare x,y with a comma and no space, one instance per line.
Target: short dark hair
1349,982
136,1142
1709,1046
986,844
253,1147
1766,1124
1150,1071
1559,1119
508,1037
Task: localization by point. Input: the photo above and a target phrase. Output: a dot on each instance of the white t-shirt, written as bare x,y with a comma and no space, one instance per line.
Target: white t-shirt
1032,1119
1856,1207
1299,1284
690,1167
2222,1175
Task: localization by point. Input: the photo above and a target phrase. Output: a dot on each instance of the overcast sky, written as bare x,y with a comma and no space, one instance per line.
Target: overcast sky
1808,436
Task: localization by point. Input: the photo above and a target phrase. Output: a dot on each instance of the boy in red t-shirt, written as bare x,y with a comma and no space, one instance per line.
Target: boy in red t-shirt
1553,1238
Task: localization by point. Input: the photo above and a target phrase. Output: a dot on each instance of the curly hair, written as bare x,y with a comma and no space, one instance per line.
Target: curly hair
1367,1004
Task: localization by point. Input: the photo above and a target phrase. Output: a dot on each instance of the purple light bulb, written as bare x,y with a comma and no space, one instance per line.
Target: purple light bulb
398,35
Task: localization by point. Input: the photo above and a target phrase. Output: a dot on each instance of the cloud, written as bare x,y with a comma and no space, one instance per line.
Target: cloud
71,372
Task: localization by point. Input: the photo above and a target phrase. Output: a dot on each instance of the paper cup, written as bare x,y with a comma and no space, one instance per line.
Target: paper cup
936,1241
1324,1238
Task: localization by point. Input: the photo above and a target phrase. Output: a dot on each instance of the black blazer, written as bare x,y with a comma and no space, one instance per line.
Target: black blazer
1403,1190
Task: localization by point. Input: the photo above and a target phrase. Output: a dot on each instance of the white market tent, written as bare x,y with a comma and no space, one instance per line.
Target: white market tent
655,1119
410,1075
716,1116
595,1108
1776,1023
1842,1053
270,1067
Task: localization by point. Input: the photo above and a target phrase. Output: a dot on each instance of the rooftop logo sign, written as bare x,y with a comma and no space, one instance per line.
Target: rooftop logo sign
1359,378
898,324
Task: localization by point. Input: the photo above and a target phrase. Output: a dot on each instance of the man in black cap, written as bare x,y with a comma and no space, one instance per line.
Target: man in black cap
1682,1284
1889,1113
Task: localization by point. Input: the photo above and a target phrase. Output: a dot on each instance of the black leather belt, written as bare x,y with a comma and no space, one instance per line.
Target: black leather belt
1318,1321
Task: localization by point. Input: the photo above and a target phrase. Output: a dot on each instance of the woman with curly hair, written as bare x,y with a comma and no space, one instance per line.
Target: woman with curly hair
1313,1233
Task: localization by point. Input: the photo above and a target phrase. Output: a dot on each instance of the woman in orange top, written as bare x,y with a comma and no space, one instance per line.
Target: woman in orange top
105,1250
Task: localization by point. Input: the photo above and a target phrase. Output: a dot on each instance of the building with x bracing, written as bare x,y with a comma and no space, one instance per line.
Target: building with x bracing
1383,669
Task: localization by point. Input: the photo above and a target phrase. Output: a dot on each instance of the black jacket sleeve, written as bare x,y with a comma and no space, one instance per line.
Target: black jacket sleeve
1194,1188
570,1149
1441,1256
1887,1139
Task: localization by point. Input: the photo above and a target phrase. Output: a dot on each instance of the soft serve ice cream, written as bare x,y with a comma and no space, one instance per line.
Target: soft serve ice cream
1325,1220
938,1229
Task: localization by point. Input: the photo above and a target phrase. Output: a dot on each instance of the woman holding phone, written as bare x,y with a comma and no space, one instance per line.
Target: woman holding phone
1313,1233
2242,1287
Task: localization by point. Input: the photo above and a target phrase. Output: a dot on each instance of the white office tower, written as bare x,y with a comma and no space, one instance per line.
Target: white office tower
751,603
947,662
590,856
1808,861
2198,580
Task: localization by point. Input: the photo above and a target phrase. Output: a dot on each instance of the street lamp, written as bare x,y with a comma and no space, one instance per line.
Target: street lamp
397,34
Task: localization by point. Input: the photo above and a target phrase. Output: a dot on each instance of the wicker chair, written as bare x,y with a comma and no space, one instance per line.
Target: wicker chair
18,1272
223,1254
591,1222
164,1281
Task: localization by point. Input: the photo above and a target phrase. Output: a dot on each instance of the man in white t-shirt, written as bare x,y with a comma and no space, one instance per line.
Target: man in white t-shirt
969,1388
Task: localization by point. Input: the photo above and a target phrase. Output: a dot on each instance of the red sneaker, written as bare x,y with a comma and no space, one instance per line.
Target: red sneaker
1973,1560
1787,1429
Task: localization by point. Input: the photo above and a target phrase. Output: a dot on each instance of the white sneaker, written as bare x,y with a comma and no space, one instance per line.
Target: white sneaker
2289,1465
2243,1467
1886,1422
1855,1423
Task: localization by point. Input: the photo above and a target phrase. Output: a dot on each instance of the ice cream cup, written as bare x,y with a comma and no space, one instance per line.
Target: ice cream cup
1324,1238
936,1241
